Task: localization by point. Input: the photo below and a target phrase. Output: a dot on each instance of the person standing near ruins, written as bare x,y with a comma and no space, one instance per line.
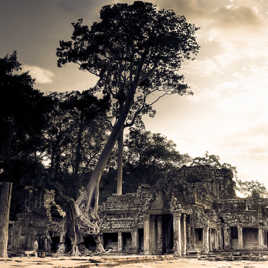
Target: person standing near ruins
35,247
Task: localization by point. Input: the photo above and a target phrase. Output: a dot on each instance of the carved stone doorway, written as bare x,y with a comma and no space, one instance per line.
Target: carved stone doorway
167,233
110,241
126,237
141,240
250,236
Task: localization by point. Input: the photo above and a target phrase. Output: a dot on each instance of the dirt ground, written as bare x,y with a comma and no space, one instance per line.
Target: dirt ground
193,263
119,262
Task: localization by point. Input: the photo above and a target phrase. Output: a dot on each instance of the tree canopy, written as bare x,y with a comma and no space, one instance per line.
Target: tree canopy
23,112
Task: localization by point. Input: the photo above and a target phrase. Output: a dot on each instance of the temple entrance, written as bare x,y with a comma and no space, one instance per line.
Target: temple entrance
90,243
126,239
250,238
110,241
265,238
141,240
55,240
167,231
198,235
234,237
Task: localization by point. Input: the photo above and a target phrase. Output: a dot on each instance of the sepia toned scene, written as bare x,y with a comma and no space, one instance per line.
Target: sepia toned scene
133,134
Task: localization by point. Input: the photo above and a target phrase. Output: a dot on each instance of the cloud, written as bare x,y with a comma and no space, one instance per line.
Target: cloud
232,17
82,8
41,75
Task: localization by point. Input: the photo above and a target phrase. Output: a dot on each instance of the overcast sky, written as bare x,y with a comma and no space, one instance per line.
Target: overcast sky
228,114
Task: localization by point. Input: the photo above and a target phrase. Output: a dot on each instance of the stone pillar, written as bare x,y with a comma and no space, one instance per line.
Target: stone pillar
159,237
220,234
5,201
194,238
190,236
184,236
135,241
177,234
18,236
206,239
120,242
217,241
240,237
260,238
226,231
146,230
152,234
210,234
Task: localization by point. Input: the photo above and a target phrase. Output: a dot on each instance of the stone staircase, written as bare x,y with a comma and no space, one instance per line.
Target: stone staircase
249,255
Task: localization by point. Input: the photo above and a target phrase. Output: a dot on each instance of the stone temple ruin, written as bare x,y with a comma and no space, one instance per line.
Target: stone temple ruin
207,217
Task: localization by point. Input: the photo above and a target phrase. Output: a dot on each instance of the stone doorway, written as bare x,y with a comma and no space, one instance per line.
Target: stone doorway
110,241
250,238
90,243
167,233
126,239
141,240
234,237
198,235
55,240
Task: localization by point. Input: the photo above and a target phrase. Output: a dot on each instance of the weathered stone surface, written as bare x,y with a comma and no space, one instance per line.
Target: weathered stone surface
202,215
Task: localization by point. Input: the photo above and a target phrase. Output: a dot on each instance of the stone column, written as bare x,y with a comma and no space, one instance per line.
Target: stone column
135,241
184,235
152,234
177,234
220,234
159,238
120,242
206,239
226,231
240,237
5,201
260,238
210,234
146,230
17,231
217,238
190,236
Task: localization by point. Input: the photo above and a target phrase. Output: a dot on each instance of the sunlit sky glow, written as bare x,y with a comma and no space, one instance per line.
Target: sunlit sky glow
228,114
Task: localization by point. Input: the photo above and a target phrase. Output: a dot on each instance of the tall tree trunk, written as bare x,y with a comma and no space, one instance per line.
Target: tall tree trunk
72,231
105,154
5,200
120,144
104,157
77,160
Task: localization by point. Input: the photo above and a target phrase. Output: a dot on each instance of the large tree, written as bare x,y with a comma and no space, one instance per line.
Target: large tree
77,128
136,51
